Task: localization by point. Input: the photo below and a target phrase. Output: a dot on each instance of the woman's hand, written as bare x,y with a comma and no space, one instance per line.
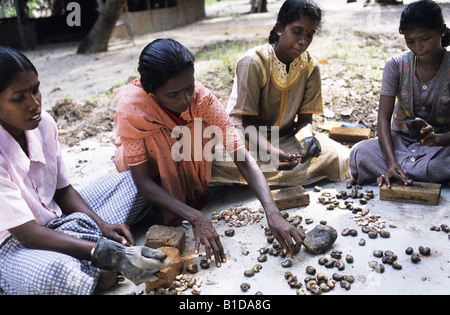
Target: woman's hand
394,171
425,133
428,135
283,161
289,237
117,232
204,233
70,201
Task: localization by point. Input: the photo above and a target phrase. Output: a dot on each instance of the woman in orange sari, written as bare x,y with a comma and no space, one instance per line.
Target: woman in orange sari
165,121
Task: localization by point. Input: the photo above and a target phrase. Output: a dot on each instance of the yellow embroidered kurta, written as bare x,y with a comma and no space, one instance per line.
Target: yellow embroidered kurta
274,97
269,95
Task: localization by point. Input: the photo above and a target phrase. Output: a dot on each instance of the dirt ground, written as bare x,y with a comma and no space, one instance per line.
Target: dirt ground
77,89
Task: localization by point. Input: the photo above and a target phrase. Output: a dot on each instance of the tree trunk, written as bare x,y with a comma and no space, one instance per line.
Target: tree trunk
98,38
258,6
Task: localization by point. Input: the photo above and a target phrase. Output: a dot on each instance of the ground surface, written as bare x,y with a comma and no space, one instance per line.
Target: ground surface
353,46
431,276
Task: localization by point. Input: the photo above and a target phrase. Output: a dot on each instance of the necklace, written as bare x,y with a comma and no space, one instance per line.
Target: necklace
424,86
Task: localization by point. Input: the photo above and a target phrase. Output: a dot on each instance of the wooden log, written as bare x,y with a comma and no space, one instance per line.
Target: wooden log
418,192
345,134
290,197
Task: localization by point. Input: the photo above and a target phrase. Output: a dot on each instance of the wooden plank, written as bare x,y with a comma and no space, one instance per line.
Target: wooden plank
345,134
290,197
62,132
418,192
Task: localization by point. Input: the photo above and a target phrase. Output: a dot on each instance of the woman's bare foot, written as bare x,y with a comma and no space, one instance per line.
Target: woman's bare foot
108,279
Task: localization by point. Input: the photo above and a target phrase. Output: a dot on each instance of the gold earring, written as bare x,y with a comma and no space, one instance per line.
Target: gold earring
443,35
153,97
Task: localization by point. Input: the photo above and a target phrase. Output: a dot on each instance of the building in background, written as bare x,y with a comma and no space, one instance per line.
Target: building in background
27,23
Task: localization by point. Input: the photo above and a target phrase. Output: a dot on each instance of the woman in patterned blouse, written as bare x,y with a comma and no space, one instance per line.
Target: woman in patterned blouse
165,121
415,145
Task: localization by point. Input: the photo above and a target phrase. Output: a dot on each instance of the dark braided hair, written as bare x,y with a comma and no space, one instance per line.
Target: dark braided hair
293,10
162,60
12,61
424,14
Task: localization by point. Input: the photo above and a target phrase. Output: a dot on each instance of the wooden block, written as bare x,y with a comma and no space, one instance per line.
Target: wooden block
290,197
62,132
345,134
418,192
167,275
159,236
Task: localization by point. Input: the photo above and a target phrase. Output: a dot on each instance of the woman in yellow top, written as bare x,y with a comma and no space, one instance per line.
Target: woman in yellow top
276,91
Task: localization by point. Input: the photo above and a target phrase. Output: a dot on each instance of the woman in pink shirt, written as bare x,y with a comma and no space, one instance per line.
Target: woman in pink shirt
51,240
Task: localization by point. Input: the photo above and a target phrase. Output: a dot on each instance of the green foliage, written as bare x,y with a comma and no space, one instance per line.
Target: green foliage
227,53
8,9
35,8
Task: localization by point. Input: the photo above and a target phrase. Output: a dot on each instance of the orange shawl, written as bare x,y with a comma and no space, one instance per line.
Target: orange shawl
139,116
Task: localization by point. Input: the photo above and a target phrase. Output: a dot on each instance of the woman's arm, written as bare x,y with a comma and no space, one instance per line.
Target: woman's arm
385,111
443,139
203,229
289,237
70,201
302,121
137,263
393,170
430,138
34,236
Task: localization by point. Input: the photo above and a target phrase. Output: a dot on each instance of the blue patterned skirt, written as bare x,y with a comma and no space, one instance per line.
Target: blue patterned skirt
419,162
28,271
